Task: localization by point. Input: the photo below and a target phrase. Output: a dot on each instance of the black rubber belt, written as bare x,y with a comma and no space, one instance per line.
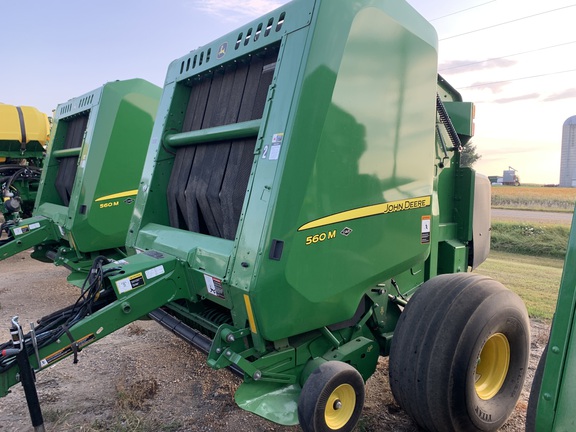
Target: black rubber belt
22,127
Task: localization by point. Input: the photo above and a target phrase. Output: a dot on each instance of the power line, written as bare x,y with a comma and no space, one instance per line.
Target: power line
507,22
517,79
508,55
460,11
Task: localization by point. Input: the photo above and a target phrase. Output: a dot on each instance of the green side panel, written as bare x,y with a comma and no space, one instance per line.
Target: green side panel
454,257
558,392
93,200
456,200
462,116
350,151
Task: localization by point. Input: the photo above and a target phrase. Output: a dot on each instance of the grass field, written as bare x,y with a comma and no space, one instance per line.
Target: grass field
534,198
530,239
535,279
528,258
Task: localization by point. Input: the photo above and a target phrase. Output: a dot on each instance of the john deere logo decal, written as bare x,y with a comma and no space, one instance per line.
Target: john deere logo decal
222,50
371,210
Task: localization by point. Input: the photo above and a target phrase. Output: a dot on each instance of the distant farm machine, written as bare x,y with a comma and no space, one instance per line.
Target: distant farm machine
90,178
301,212
509,178
24,132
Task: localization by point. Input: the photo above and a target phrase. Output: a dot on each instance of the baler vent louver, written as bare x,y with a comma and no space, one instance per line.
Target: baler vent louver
64,182
66,109
87,100
258,33
196,60
208,181
243,39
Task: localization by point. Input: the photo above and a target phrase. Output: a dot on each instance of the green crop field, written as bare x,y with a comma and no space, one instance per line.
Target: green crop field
534,198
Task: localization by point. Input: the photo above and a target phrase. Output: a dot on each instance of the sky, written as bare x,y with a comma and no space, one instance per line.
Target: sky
515,60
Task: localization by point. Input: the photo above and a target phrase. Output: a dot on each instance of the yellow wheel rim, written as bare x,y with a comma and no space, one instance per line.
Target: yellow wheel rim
492,366
340,406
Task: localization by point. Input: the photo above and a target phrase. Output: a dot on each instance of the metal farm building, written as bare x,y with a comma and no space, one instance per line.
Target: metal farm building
568,156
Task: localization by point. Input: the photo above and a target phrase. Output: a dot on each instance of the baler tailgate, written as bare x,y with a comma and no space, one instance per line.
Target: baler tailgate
76,128
208,182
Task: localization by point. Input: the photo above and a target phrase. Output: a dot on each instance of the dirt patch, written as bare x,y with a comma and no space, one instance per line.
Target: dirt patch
143,378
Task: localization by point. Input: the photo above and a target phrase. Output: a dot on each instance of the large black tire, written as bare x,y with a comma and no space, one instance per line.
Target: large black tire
332,398
535,393
460,353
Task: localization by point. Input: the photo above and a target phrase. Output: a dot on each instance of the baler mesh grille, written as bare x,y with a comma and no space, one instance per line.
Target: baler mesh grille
67,165
208,181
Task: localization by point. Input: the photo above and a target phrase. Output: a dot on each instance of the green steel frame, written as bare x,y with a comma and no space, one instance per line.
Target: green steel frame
555,410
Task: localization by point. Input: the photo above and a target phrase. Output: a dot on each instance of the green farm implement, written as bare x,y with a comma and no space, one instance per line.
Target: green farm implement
302,211
90,178
24,132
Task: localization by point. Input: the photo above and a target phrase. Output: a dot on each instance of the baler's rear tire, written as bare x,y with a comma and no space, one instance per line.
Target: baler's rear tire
460,353
332,398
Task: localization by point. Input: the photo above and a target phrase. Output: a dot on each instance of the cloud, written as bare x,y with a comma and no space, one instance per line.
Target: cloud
566,94
453,67
232,9
517,98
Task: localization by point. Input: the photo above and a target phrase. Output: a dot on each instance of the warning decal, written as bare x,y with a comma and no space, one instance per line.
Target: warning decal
129,283
153,272
21,230
276,145
214,286
425,236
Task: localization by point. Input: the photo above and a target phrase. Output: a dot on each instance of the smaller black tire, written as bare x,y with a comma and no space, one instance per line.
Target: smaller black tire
332,398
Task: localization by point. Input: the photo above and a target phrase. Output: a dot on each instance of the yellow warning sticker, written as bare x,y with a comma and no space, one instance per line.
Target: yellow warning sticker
21,230
130,283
